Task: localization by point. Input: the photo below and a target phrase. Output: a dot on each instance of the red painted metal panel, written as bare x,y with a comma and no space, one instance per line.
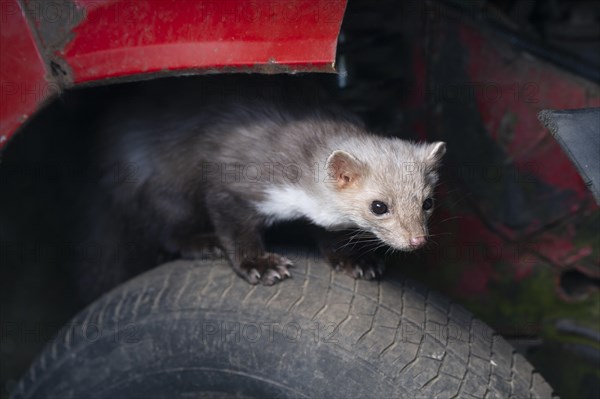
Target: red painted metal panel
95,40
506,90
509,98
23,86
153,36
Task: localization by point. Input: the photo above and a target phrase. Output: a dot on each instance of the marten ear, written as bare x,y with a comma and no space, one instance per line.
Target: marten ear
435,154
344,169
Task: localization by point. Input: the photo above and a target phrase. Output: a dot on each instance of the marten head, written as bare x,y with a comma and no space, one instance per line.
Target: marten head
386,187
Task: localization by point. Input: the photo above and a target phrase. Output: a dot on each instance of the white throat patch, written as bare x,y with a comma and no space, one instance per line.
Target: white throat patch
288,203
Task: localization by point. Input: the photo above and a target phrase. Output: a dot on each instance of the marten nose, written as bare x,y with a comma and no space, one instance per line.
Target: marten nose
417,242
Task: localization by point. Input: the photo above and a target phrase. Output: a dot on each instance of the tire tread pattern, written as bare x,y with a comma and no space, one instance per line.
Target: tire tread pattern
413,337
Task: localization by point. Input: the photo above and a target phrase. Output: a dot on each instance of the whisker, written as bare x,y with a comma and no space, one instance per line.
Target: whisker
374,249
450,218
440,234
350,241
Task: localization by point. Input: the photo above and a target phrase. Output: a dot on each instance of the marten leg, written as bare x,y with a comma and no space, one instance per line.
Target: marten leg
352,252
185,228
237,226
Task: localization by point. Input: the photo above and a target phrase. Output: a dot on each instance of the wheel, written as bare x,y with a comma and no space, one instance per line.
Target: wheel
195,329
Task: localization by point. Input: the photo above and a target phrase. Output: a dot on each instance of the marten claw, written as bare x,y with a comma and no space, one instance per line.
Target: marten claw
267,269
270,277
283,270
283,261
253,276
367,268
358,271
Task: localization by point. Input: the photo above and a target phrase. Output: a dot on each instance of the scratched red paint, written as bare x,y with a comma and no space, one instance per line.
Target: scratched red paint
474,280
523,268
561,251
509,96
22,72
114,38
125,38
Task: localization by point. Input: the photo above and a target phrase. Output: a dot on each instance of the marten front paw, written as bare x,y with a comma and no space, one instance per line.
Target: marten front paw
363,267
267,269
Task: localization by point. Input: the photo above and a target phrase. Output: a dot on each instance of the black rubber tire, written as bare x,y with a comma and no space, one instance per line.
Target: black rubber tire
195,329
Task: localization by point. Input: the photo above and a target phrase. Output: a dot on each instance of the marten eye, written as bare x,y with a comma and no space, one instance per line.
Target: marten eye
378,207
428,204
